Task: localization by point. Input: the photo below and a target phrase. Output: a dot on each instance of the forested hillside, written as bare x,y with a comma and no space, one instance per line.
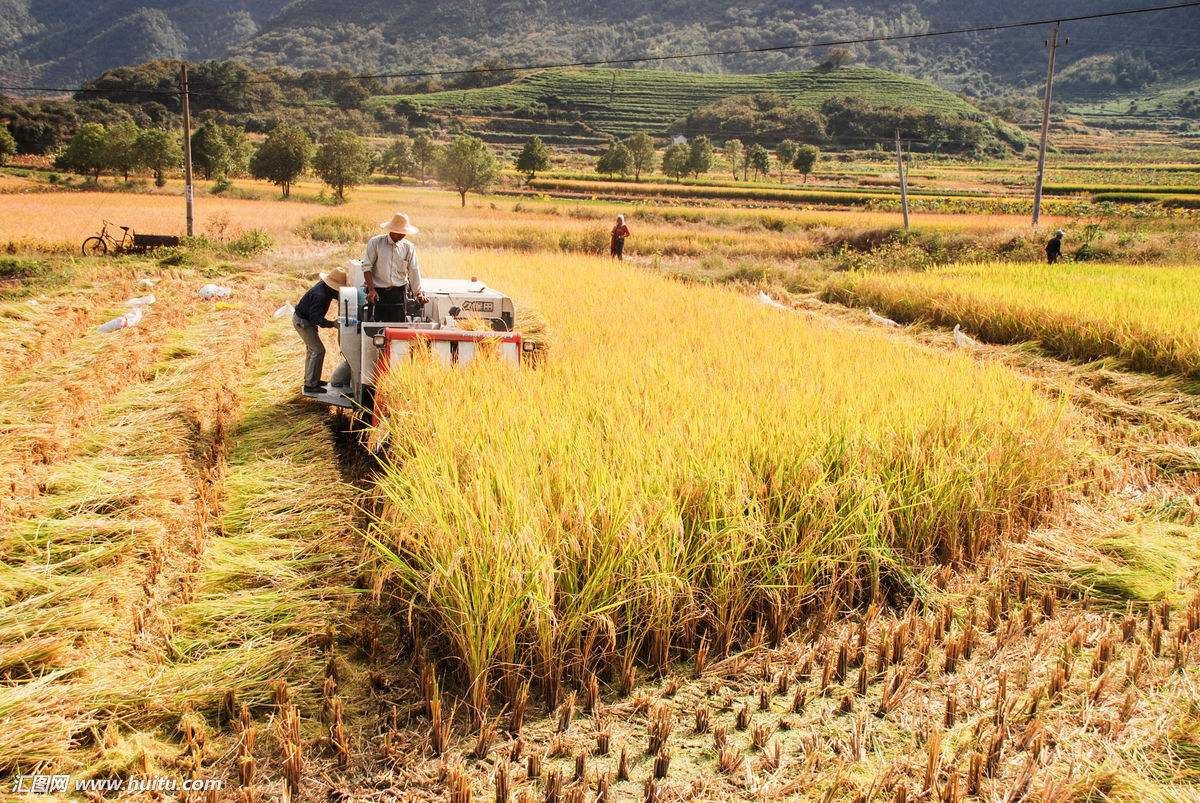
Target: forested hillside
68,40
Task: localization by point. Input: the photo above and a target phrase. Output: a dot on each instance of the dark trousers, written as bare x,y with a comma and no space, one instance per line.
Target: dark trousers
617,248
390,307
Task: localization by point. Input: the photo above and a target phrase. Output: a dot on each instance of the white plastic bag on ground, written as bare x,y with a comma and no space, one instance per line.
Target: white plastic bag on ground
131,318
763,298
215,291
141,301
286,309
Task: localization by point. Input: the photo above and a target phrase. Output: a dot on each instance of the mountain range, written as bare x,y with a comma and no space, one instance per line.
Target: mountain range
63,42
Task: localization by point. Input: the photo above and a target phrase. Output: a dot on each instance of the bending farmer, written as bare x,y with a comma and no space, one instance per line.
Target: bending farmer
391,272
310,317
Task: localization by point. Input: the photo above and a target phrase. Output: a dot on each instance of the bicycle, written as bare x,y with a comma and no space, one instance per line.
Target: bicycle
100,244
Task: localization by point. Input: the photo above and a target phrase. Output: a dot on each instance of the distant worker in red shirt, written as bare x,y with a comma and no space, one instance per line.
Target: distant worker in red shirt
619,233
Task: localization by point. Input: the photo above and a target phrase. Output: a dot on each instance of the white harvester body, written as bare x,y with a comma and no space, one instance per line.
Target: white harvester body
371,347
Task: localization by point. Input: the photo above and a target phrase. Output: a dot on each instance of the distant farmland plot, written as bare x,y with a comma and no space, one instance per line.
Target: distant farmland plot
622,101
1144,316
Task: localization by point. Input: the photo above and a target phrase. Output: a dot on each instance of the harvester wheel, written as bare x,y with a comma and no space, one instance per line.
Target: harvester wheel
94,247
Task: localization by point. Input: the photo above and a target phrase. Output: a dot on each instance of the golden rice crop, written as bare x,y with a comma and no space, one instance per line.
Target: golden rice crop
1145,316
62,219
687,461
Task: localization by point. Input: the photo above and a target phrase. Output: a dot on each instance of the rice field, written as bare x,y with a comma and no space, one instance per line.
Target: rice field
708,548
525,510
1144,316
781,233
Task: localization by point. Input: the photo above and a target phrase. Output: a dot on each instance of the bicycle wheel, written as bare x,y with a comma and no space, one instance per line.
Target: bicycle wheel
94,247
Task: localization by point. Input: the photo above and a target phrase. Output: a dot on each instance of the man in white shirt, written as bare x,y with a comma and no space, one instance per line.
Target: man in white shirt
390,270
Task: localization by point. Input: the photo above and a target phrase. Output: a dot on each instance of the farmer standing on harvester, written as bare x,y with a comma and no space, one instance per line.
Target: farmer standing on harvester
390,270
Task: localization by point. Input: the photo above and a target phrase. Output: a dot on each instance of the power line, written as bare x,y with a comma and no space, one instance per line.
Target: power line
90,90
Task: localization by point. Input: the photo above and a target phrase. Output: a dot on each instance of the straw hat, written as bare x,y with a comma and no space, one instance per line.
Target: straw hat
399,224
336,278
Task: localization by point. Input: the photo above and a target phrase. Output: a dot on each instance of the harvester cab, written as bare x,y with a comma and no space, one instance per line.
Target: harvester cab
371,348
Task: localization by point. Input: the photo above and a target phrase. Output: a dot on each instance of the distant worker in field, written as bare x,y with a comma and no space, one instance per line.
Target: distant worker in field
1054,247
390,270
620,231
309,316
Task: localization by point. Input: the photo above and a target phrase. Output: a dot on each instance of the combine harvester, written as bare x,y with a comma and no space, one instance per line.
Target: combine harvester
372,347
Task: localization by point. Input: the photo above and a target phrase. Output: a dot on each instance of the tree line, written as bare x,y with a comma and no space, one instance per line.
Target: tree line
682,158
342,159
768,118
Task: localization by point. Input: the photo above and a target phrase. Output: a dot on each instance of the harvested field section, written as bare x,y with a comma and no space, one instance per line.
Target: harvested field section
190,549
44,408
279,569
1145,316
986,691
535,524
93,555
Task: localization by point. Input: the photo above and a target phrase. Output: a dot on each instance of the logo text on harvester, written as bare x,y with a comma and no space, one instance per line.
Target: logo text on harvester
52,784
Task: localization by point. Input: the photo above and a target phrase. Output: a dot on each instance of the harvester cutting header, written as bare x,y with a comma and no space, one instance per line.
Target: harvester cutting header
386,313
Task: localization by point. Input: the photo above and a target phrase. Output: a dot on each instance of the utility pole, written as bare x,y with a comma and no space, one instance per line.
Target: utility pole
1041,168
187,144
903,179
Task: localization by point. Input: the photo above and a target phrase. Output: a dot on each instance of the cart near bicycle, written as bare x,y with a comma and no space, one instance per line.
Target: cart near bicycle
128,242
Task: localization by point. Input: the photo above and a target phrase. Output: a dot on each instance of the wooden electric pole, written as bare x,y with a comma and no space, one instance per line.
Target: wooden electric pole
187,145
1041,168
903,179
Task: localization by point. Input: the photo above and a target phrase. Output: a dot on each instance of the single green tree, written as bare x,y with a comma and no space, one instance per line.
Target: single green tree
785,152
677,161
86,153
617,159
210,150
283,157
8,145
426,153
121,146
468,165
733,150
399,160
759,160
700,154
240,150
160,151
533,158
343,161
806,159
641,147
